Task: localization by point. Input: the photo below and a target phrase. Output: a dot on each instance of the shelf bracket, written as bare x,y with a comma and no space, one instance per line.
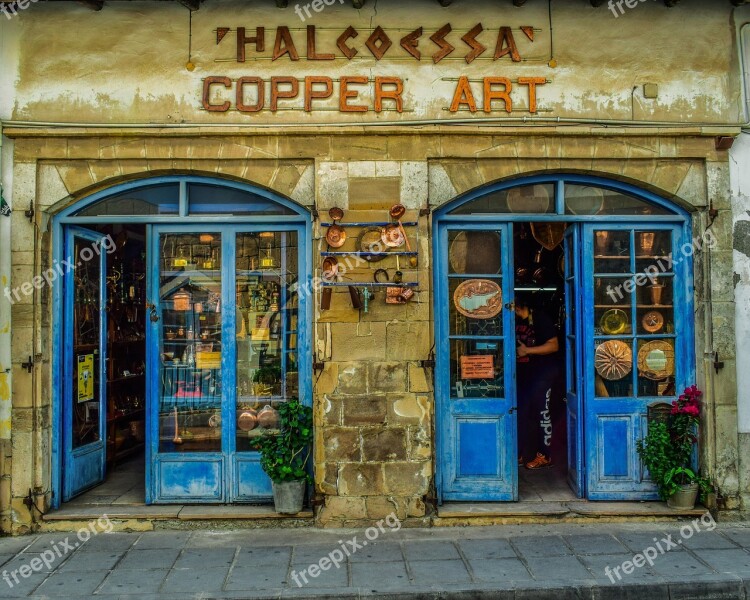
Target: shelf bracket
28,365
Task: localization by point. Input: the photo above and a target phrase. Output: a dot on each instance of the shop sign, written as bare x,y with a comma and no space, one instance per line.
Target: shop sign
478,367
360,93
85,377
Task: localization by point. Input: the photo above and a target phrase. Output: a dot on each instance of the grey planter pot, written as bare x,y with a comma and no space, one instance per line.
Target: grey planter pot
288,497
684,498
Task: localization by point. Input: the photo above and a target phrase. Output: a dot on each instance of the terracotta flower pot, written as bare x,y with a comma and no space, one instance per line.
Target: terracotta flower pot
684,498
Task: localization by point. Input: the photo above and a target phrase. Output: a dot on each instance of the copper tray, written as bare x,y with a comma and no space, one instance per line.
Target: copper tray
528,199
652,322
613,360
656,360
478,299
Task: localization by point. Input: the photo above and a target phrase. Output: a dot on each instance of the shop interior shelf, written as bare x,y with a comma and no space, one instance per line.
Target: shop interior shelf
629,306
138,412
325,254
368,284
126,378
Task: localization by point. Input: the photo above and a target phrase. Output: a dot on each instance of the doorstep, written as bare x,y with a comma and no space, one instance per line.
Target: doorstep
173,516
487,513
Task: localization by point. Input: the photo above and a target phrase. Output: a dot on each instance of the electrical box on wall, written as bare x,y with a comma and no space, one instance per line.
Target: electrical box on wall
651,90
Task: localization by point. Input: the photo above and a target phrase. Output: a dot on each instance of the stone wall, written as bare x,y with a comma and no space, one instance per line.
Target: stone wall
374,406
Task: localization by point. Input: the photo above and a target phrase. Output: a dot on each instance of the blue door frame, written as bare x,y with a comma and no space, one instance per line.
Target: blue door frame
295,219
602,460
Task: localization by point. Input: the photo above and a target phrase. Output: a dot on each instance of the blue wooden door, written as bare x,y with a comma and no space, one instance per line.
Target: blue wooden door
477,434
84,376
574,373
636,344
225,347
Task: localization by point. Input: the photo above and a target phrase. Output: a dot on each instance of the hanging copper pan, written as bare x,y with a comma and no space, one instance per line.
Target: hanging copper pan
392,235
336,214
397,211
330,268
336,236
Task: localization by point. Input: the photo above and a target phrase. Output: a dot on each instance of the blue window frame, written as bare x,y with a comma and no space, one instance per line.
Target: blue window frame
186,203
603,425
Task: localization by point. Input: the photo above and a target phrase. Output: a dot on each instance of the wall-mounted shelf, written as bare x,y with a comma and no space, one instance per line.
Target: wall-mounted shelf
371,224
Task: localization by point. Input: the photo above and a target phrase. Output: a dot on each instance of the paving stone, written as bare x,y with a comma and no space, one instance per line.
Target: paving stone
109,542
735,561
739,536
91,561
264,556
382,552
709,540
307,555
162,539
557,567
133,581
46,541
14,545
499,569
432,572
595,544
430,550
325,579
24,560
678,566
639,541
4,558
598,565
210,579
24,587
380,575
257,577
536,546
71,584
198,558
149,559
486,549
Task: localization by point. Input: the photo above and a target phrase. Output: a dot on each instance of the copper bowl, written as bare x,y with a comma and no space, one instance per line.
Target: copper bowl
336,214
392,236
397,211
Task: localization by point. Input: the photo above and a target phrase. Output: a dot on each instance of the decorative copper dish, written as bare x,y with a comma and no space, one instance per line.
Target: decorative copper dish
473,254
656,360
652,321
370,240
549,235
528,199
478,299
614,322
392,236
336,236
613,360
584,200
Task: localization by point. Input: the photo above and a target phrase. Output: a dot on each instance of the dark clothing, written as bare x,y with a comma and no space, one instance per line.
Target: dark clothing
537,380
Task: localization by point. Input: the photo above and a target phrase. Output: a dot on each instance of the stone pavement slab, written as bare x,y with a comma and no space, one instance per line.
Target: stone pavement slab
595,561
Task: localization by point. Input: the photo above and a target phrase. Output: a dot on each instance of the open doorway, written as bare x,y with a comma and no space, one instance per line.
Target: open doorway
123,261
539,282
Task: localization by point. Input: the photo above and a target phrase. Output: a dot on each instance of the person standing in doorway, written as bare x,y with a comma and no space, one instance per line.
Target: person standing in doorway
537,350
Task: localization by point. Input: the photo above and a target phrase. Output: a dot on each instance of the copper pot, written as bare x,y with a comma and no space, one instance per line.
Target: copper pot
268,417
248,420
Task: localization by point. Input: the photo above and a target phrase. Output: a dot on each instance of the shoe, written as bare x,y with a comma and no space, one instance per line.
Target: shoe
540,462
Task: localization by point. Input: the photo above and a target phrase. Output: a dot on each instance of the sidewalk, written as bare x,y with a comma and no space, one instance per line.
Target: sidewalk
530,561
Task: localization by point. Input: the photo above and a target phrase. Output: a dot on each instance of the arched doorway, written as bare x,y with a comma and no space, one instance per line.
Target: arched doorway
611,266
179,322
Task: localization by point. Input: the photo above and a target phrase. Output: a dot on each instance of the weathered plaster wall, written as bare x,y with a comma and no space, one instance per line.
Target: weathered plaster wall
127,63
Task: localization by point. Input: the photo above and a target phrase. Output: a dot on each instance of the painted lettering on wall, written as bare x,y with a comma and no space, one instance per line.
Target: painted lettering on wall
363,93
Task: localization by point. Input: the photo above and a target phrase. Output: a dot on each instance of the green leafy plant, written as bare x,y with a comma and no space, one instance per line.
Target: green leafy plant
284,455
667,449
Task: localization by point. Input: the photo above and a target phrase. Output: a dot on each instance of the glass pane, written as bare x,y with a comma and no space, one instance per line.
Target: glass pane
215,199
655,292
592,200
191,343
148,200
86,399
613,366
613,312
266,330
474,252
653,252
477,369
612,252
656,367
531,199
476,307
573,366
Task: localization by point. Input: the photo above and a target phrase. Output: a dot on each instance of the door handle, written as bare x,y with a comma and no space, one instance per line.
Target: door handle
154,315
512,410
511,306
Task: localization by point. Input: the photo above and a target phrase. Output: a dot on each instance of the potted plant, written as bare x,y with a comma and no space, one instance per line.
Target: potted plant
667,452
284,456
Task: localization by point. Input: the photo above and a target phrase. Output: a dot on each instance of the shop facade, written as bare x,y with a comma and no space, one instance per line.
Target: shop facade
204,299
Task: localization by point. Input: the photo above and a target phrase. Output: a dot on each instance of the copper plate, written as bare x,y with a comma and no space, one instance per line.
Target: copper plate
370,240
478,299
336,236
656,360
392,236
336,214
613,360
589,204
653,321
613,322
528,199
475,252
